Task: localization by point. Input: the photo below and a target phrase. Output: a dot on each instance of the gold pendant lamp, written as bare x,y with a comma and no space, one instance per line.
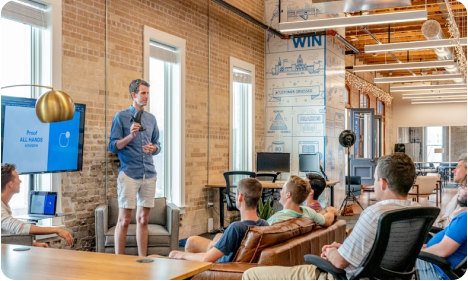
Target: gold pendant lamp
52,106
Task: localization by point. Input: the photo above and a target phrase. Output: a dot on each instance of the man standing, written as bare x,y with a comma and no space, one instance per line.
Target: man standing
453,208
135,137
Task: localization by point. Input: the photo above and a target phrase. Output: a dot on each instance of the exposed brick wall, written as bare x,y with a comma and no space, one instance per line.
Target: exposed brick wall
207,109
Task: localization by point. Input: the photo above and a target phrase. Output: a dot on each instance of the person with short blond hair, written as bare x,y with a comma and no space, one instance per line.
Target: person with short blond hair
295,191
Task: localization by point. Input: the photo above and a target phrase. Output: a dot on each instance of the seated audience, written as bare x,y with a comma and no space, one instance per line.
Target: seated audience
453,208
248,192
394,176
317,185
449,243
293,193
10,186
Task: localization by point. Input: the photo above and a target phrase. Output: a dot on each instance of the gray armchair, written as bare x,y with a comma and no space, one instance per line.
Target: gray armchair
163,228
18,239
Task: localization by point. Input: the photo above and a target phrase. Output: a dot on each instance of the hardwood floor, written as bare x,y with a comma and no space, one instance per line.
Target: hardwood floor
447,194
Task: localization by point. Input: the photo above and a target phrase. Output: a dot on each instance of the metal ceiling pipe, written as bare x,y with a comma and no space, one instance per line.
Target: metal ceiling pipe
432,31
276,32
378,41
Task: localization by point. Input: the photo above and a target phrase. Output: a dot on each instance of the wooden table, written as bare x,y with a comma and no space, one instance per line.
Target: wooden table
265,184
55,264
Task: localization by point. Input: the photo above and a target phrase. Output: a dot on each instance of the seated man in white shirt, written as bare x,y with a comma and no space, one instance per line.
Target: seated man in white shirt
293,193
394,176
10,186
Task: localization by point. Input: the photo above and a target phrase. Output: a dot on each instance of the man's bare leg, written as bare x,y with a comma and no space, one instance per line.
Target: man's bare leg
197,244
142,230
121,230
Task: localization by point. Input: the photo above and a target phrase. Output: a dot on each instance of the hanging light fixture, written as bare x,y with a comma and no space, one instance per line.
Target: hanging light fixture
352,21
405,65
52,106
415,45
418,78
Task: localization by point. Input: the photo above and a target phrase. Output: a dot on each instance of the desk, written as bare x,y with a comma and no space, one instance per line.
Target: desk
265,184
56,264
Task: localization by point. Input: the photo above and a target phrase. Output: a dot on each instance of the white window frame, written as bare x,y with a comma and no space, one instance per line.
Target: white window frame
234,62
175,167
54,15
53,35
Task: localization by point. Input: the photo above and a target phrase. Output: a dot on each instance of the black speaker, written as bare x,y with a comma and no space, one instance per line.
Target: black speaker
400,147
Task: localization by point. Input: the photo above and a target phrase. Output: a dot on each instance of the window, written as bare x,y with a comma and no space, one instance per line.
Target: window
242,126
380,108
363,101
381,111
348,97
164,55
31,54
434,138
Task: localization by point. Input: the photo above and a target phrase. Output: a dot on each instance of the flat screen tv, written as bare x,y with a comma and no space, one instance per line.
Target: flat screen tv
273,162
309,162
36,147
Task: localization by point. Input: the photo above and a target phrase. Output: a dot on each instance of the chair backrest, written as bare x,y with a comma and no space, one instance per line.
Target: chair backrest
427,184
157,214
266,176
354,179
232,177
399,238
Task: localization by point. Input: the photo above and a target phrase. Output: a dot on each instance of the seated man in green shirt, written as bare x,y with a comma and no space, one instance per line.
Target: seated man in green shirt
293,193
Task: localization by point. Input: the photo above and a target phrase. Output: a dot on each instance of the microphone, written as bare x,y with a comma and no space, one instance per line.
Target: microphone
137,119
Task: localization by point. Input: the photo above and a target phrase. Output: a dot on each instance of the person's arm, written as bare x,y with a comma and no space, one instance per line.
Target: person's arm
37,230
330,216
210,256
117,139
445,248
333,256
155,139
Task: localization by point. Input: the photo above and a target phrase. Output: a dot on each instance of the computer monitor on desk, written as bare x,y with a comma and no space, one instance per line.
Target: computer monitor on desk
273,162
309,163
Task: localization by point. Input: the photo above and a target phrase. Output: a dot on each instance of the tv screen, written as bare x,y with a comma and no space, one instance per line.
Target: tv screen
36,147
273,162
309,162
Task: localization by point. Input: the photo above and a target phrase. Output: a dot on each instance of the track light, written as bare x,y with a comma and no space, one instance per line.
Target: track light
406,65
428,87
352,21
415,45
417,78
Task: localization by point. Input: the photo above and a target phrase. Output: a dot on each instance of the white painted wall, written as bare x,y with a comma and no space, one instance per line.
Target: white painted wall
406,114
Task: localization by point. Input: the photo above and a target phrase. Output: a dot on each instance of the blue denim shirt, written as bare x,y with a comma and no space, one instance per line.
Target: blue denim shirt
134,162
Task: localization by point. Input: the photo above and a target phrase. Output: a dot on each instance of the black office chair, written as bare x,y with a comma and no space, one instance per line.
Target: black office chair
400,236
230,193
267,192
456,273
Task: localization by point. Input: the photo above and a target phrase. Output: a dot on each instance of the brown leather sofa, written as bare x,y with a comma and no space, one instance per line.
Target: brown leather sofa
284,243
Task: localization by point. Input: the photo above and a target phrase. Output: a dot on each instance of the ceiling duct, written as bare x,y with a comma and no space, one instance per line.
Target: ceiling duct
336,7
432,31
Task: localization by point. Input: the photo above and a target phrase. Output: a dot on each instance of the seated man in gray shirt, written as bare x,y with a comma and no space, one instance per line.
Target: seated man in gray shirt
249,191
11,186
394,176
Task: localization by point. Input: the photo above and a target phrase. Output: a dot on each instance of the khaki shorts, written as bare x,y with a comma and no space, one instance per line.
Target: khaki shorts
135,192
